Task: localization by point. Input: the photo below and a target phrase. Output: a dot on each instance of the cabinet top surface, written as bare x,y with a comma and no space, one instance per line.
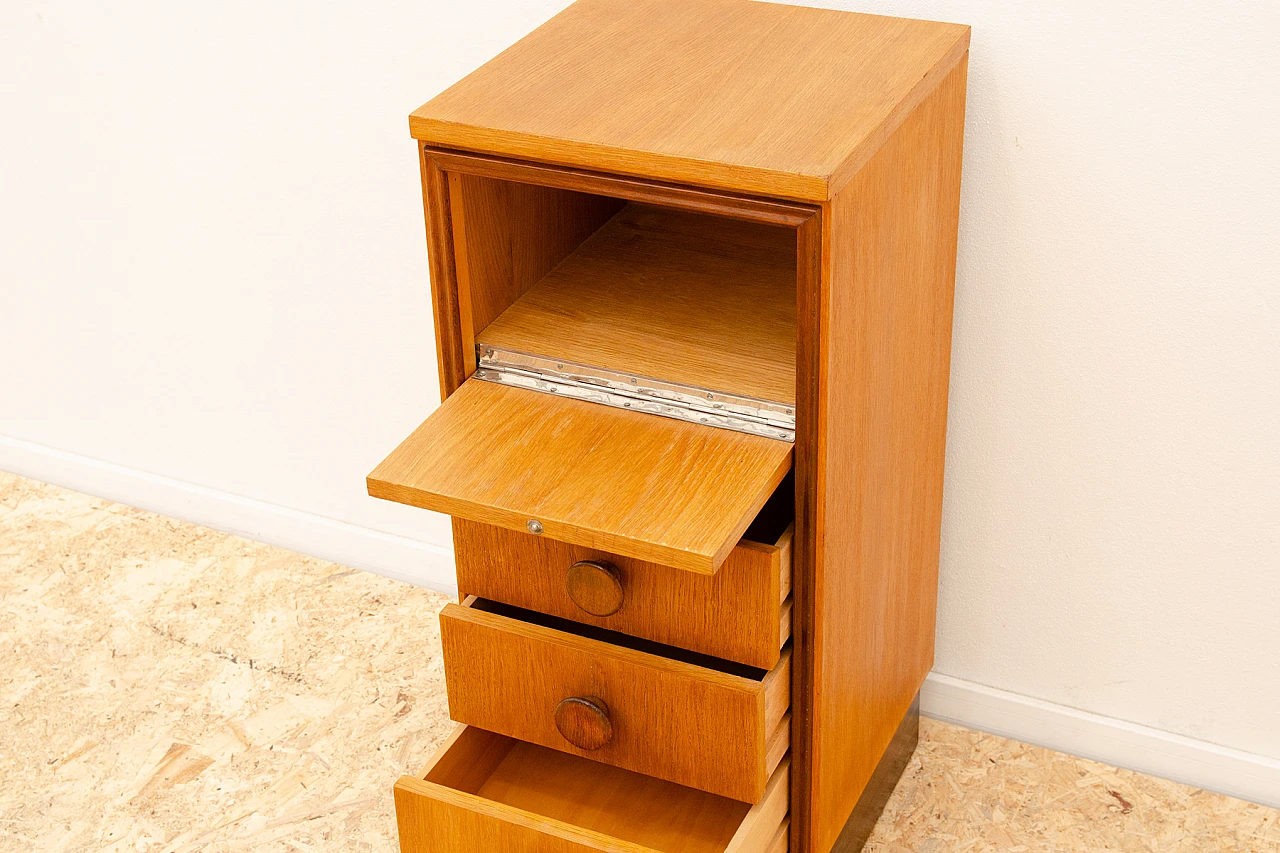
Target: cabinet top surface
748,96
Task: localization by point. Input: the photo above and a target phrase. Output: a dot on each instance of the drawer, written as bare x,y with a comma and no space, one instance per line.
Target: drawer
699,721
484,793
741,613
641,486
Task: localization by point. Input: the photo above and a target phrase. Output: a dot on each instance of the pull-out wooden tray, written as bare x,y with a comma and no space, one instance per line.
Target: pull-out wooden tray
485,793
652,488
697,721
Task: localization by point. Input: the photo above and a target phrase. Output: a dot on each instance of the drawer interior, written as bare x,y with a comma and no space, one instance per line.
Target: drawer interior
702,300
553,793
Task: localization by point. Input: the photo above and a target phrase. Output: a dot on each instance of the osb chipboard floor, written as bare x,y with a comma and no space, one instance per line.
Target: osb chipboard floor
973,792
164,687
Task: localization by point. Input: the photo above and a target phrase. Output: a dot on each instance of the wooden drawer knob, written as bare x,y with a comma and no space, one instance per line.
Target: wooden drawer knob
595,586
584,721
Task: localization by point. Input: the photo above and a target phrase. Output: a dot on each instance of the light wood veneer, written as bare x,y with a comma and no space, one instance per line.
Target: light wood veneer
758,98
632,484
486,792
680,717
689,298
508,235
741,613
846,130
880,421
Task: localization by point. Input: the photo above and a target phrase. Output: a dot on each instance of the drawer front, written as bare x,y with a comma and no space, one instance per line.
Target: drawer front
484,793
741,613
634,708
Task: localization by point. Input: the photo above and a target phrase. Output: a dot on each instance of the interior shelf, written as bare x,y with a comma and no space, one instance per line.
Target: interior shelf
700,301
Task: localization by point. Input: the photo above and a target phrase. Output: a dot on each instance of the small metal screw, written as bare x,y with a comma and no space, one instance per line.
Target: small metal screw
534,526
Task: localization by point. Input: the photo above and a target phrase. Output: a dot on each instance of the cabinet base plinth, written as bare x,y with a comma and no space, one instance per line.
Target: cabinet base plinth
885,778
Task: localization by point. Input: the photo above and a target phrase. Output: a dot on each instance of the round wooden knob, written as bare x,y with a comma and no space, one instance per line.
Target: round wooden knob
595,586
584,721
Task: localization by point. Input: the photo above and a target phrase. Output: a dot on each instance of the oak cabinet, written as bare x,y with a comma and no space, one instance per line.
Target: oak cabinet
692,265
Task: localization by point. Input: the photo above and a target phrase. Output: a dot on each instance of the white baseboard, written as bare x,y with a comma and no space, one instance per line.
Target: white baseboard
399,557
1247,776
1204,765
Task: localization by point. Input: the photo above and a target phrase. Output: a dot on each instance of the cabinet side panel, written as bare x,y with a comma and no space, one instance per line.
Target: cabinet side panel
887,364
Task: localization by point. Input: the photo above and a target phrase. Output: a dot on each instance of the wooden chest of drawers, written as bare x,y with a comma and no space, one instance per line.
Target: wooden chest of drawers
692,269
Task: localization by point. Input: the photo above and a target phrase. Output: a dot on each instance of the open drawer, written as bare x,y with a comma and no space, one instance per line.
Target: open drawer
484,793
658,710
653,488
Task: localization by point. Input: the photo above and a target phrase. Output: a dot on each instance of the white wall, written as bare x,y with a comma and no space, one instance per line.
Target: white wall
213,282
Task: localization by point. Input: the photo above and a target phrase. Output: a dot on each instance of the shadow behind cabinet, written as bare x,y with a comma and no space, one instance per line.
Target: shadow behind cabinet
692,267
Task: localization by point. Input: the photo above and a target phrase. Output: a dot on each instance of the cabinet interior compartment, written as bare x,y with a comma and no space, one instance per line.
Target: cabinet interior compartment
584,292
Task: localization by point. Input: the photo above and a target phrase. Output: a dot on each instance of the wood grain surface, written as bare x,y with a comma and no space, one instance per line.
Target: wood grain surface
486,792
545,782
876,793
641,486
508,235
754,97
779,742
782,839
757,830
671,719
767,211
682,297
878,148
454,361
733,614
881,438
811,385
